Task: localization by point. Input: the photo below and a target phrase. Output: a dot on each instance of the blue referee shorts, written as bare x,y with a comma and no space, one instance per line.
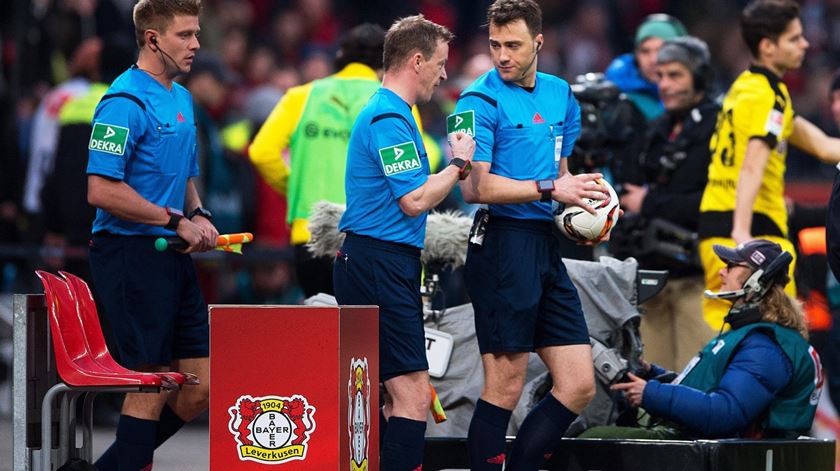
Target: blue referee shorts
369,271
152,300
522,296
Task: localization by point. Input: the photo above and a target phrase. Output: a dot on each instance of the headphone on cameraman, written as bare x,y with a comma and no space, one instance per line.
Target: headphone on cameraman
759,283
699,59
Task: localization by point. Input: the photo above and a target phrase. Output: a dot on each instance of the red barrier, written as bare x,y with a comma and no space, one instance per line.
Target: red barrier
296,385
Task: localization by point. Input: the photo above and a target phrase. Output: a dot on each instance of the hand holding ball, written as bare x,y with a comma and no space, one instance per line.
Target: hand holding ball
581,226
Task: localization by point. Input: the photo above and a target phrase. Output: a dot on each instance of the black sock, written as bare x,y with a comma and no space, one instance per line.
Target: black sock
403,445
134,448
486,437
540,434
109,460
168,425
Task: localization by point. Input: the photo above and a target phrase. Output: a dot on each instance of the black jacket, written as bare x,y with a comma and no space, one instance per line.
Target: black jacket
674,193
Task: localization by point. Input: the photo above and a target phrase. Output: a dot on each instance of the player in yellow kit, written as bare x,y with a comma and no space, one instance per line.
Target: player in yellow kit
744,197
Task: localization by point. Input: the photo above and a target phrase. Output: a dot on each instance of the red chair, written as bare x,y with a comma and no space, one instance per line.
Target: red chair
81,375
97,347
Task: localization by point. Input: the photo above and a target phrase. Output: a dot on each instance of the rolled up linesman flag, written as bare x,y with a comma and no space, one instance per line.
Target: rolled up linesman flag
435,407
225,242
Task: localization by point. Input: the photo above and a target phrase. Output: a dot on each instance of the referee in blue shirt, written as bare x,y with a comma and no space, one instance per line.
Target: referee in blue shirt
142,159
389,191
525,126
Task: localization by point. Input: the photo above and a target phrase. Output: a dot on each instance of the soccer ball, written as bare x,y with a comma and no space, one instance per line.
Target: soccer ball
581,226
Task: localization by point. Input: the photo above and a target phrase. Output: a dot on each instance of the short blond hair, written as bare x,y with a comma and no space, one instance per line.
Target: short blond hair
158,14
410,34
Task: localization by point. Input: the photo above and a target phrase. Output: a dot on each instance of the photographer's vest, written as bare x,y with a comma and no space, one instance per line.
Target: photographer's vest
319,143
793,408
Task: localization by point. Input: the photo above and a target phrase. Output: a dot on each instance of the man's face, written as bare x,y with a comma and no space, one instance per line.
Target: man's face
676,86
788,51
432,72
513,51
180,42
646,57
835,106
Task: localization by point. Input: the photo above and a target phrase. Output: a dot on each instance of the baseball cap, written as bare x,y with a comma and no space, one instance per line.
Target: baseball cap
659,25
758,253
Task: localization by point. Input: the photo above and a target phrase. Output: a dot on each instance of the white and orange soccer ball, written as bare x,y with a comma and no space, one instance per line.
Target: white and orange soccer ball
579,225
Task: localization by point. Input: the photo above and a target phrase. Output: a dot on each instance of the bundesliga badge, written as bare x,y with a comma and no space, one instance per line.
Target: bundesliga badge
461,122
271,429
358,413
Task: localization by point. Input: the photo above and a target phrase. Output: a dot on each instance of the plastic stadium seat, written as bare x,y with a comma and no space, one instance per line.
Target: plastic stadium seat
81,375
97,347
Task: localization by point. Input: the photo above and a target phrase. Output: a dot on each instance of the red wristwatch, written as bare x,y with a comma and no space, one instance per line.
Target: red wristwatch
464,167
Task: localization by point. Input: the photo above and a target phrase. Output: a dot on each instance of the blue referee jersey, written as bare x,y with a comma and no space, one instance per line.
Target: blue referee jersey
144,135
522,134
385,160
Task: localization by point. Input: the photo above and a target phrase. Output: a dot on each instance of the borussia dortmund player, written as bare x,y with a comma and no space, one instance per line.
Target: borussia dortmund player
389,191
744,197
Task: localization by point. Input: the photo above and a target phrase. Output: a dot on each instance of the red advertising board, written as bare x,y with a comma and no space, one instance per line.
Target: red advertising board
294,388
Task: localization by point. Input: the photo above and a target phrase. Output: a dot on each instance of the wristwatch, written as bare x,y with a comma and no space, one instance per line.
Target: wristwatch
199,211
175,216
545,187
464,167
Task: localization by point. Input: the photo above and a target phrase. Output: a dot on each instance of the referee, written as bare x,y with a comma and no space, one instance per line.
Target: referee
389,191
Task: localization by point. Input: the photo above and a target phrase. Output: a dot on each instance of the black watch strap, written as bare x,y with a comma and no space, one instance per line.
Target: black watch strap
199,211
464,167
175,216
545,187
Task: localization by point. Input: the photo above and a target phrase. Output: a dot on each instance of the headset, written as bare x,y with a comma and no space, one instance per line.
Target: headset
537,47
698,54
759,282
154,41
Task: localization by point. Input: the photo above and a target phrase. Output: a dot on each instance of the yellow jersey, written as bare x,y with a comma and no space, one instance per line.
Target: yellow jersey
757,106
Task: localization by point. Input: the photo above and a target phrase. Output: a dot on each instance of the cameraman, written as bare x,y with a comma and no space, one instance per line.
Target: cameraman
673,163
635,76
760,379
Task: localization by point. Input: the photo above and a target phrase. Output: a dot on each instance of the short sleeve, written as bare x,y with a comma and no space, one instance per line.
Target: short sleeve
485,123
393,146
760,116
118,125
571,126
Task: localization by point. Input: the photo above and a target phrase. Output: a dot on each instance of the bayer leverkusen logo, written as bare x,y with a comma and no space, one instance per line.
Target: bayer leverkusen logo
271,429
358,413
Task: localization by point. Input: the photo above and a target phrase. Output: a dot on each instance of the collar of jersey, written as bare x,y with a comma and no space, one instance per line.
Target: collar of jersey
773,78
394,97
148,78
